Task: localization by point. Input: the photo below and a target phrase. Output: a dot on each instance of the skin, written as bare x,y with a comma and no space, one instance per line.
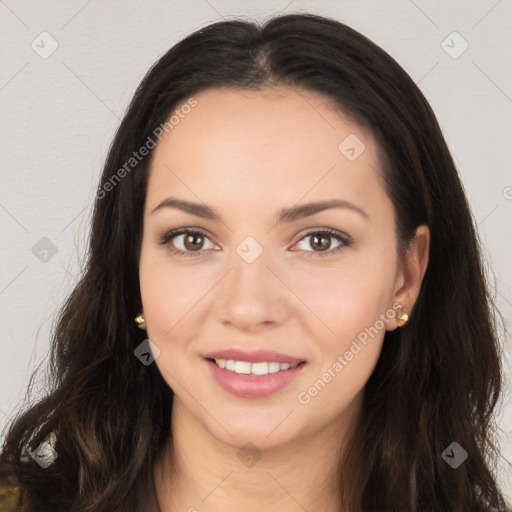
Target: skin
247,154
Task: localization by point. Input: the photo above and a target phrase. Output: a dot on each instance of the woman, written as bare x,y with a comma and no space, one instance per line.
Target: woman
281,216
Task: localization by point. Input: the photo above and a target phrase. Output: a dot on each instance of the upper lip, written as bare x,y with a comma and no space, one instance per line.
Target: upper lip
253,356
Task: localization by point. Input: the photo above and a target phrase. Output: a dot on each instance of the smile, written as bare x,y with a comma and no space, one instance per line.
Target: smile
258,379
248,368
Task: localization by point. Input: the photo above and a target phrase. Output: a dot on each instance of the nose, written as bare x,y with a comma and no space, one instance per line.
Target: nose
251,296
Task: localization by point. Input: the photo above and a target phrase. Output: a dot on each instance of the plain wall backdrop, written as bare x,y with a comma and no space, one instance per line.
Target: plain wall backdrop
69,68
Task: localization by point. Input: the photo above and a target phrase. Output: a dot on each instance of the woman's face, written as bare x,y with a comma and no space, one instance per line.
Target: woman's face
262,274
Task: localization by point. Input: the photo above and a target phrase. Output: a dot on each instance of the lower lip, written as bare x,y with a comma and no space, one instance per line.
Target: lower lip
253,386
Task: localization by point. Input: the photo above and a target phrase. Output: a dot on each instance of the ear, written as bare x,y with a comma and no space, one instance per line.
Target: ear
411,273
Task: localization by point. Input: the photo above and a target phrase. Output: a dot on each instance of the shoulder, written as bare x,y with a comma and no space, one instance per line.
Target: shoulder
12,495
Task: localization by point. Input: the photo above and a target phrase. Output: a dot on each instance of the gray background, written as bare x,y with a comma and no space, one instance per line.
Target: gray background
58,115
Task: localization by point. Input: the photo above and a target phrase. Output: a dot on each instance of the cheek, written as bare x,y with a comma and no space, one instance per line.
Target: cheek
167,295
354,301
348,296
357,311
358,319
168,292
336,386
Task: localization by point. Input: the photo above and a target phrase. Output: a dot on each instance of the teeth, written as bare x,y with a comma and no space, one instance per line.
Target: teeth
243,367
259,368
247,368
274,367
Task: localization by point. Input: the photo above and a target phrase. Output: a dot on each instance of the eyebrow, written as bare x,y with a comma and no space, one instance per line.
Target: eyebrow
285,214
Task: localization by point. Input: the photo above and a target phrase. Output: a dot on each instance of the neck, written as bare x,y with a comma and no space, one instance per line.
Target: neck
199,472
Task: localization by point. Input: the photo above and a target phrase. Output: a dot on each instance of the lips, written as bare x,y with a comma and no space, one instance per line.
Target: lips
252,386
254,356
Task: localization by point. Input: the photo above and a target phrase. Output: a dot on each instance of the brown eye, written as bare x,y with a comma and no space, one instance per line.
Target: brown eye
321,242
193,242
186,242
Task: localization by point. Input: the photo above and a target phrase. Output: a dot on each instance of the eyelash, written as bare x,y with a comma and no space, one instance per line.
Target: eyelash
345,241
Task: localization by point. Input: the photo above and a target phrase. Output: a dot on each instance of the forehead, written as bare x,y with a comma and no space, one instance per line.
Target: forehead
273,144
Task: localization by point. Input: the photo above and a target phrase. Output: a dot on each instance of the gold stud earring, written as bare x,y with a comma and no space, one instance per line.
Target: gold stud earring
403,317
140,321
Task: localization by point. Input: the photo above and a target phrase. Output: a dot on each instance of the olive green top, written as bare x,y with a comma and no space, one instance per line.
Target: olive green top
12,499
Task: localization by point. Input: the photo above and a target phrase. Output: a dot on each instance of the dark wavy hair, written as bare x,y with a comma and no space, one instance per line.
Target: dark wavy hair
437,380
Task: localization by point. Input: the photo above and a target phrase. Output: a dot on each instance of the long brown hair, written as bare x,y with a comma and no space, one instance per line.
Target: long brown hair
437,380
